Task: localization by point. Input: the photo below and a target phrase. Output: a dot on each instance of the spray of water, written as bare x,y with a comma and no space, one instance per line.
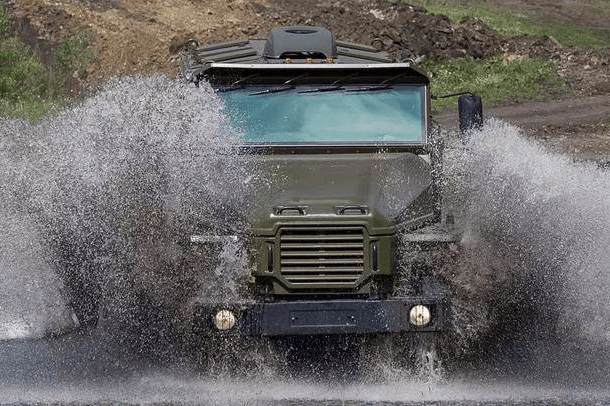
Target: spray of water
98,200
535,246
105,196
528,278
24,312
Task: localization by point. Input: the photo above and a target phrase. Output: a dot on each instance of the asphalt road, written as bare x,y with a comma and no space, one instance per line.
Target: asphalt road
86,369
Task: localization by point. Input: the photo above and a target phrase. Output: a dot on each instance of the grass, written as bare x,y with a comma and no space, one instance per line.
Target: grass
512,24
28,88
495,79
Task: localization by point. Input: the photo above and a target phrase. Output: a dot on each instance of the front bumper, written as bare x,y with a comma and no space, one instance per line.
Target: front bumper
314,317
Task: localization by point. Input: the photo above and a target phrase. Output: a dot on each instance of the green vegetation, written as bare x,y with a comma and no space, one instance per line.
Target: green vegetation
5,22
27,87
73,55
495,79
508,23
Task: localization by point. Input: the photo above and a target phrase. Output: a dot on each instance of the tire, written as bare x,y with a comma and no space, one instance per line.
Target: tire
85,301
427,356
322,358
236,356
394,357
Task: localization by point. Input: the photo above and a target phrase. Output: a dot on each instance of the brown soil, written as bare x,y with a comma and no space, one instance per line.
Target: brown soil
578,126
146,36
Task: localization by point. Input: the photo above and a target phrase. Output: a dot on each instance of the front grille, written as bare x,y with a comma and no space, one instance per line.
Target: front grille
317,257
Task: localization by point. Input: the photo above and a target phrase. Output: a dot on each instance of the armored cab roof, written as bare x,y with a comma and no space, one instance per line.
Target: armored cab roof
289,48
300,43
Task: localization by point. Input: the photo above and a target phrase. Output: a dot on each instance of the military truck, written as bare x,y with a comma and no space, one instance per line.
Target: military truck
347,132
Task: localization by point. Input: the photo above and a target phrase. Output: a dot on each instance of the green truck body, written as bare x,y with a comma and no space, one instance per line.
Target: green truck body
345,134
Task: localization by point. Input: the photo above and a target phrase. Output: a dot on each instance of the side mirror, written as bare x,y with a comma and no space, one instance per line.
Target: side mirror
470,111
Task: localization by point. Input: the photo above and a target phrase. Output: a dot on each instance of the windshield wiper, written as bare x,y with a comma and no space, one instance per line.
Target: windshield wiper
238,84
381,86
370,88
332,87
287,85
329,88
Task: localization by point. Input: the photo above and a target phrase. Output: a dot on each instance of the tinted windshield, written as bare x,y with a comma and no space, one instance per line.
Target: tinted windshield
312,114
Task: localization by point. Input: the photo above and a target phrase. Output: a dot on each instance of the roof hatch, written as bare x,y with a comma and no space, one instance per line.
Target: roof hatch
300,42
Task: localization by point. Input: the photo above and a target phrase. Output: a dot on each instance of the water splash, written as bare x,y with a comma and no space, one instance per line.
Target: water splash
24,312
536,245
110,188
104,192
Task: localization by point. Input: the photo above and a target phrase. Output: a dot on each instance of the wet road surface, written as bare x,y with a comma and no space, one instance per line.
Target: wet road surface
85,369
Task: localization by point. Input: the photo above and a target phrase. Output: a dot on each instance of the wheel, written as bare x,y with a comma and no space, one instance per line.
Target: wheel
395,357
236,356
322,358
81,286
426,356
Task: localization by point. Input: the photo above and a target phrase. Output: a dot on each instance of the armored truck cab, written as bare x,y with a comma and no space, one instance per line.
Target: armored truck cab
346,133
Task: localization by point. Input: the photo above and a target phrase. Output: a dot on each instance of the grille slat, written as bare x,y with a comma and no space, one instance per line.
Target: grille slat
322,271
327,284
320,262
349,279
322,238
312,246
325,253
314,256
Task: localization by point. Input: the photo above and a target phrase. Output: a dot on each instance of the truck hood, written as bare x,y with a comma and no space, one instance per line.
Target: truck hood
378,190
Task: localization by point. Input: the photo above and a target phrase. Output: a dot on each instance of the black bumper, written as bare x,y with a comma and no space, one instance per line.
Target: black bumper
312,317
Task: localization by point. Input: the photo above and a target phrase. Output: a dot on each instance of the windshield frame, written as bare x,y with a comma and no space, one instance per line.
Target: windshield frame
278,76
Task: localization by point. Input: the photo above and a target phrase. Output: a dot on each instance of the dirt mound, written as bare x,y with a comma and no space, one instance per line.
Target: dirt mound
587,71
135,36
405,31
144,37
408,31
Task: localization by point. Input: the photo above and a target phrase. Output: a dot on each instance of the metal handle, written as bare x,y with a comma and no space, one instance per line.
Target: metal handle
362,210
279,210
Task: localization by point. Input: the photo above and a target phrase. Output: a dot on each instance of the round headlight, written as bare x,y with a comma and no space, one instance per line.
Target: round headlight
419,315
224,320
